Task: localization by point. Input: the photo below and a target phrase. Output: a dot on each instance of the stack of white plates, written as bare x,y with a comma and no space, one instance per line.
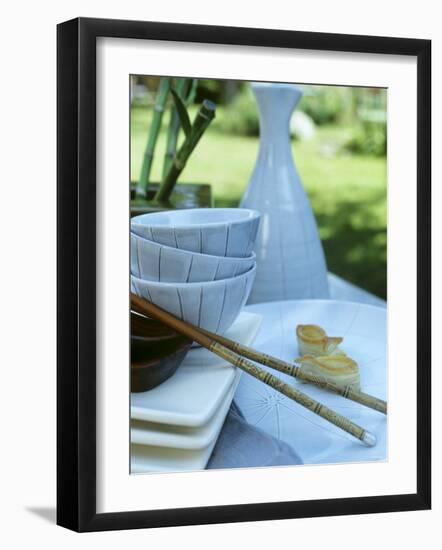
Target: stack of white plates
174,427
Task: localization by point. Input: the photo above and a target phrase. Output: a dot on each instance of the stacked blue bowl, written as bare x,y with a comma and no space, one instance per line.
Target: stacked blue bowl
197,264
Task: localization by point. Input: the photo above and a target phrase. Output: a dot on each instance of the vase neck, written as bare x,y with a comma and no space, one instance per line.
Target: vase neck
276,103
274,132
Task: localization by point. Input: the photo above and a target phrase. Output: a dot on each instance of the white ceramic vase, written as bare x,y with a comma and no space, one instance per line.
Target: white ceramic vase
290,258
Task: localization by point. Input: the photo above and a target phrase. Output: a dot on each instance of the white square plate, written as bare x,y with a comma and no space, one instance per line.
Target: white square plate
194,393
182,437
160,458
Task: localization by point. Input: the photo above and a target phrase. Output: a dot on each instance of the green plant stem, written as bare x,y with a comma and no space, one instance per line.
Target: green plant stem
192,91
174,126
202,120
154,131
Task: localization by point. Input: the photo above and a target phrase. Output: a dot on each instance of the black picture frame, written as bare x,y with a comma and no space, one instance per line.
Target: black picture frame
76,273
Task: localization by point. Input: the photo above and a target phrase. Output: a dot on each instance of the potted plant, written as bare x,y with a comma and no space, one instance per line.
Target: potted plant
151,197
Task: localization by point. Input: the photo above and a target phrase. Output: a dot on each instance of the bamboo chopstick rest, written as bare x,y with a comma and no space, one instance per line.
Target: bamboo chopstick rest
147,308
313,340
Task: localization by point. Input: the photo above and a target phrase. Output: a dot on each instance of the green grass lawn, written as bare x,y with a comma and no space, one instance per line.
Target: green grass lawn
347,191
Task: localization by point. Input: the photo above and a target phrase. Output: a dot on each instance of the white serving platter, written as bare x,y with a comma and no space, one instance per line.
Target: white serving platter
181,437
194,393
364,329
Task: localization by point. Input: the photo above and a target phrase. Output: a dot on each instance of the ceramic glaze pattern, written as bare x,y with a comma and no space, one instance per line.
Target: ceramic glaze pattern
231,232
155,262
290,258
211,305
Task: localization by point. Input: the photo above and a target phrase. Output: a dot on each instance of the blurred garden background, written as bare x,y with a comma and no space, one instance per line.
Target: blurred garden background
339,146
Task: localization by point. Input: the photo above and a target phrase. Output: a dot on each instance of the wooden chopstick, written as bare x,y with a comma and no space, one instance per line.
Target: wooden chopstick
151,310
293,370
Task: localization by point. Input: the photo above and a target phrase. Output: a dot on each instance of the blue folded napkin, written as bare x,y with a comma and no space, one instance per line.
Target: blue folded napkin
241,445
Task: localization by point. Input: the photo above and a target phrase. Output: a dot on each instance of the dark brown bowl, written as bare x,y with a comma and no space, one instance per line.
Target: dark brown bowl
145,327
156,353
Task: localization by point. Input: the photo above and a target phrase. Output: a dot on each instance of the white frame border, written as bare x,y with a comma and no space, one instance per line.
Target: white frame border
116,489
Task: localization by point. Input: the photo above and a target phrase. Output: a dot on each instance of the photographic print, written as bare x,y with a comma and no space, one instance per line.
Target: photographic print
223,350
258,262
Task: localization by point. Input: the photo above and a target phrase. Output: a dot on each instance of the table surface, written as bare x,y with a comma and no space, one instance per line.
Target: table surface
343,290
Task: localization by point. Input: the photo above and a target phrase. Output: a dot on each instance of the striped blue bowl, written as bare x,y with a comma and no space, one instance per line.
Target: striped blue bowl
156,262
210,305
216,231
